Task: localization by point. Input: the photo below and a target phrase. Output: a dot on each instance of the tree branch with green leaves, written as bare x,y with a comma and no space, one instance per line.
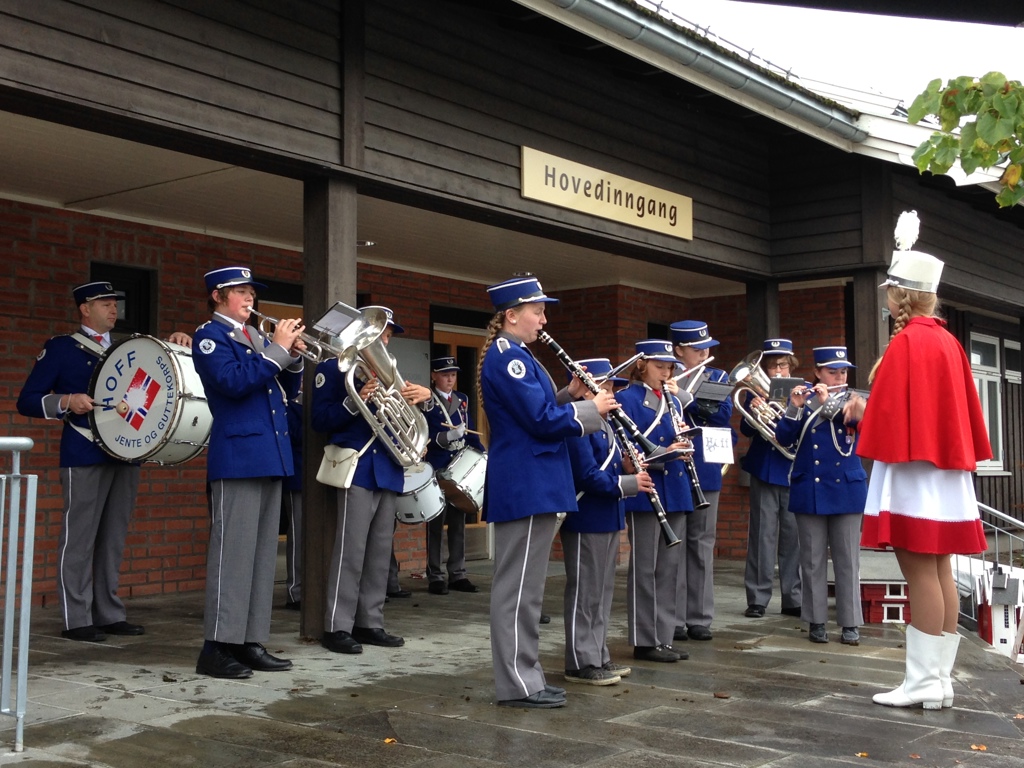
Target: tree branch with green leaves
990,115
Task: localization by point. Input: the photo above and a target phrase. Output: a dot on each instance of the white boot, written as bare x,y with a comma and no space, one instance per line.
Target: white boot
951,642
921,684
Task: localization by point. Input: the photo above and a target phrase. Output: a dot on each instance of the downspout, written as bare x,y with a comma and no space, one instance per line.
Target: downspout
622,27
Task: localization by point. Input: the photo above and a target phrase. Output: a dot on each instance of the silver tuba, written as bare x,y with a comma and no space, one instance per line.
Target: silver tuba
401,427
749,376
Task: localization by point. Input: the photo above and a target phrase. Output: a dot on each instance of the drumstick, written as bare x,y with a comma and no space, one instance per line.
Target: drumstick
470,431
121,408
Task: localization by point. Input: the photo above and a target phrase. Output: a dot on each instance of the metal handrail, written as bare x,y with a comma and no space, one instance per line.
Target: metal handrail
1015,542
20,538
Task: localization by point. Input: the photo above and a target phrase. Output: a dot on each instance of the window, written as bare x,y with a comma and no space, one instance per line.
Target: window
1012,351
985,364
136,289
895,590
892,614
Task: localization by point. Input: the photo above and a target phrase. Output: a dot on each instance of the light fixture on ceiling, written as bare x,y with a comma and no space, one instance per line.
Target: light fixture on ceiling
365,243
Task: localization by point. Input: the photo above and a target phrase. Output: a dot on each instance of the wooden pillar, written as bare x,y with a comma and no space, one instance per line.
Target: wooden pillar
870,328
762,312
329,213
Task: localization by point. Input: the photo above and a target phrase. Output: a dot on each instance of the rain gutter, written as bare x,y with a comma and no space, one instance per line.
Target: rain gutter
647,37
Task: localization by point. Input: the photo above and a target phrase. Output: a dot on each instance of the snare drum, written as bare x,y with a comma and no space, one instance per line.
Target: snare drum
463,480
421,498
156,407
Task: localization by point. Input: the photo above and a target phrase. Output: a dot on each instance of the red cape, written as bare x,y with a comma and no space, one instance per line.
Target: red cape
924,404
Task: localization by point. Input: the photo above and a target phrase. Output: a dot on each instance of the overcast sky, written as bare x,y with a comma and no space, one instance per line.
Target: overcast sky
882,54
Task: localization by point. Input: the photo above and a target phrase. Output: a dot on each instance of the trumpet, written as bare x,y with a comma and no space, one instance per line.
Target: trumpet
750,377
318,348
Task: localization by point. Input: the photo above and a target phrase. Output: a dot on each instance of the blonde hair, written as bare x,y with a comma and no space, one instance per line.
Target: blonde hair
908,304
494,327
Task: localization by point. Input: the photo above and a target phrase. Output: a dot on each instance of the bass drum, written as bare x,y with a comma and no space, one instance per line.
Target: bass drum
421,498
152,403
463,480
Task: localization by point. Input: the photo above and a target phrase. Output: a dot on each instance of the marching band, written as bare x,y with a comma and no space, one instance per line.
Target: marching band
644,452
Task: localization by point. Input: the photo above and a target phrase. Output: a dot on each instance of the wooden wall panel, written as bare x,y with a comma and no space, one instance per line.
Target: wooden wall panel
452,96
262,75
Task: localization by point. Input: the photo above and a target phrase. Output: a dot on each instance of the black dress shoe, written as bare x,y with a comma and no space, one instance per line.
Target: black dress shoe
699,633
400,593
661,653
122,628
680,634
545,619
255,656
217,662
539,700
791,611
87,634
464,585
293,605
554,689
377,636
340,642
437,588
754,611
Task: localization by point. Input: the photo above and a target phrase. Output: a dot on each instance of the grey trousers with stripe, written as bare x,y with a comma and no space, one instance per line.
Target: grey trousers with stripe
521,551
240,564
98,504
589,584
651,581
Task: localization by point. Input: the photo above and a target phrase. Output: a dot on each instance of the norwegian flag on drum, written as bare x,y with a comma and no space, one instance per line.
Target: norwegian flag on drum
139,397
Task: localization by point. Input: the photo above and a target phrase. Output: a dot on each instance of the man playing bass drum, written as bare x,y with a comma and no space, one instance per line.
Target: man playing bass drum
695,600
449,434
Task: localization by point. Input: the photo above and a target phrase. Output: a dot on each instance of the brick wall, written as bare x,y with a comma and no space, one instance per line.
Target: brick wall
44,252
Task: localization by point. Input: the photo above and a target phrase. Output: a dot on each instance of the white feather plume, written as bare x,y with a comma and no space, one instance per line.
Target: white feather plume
907,228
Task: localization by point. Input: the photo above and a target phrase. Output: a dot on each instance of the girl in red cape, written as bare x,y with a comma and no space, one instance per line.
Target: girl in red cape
926,440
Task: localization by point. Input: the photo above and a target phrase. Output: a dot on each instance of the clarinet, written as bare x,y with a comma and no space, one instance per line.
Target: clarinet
618,417
699,501
634,456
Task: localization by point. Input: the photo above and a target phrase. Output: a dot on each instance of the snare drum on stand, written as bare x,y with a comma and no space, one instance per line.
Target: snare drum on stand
152,403
421,498
463,480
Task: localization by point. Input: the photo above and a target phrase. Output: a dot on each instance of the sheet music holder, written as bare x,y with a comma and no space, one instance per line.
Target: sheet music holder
337,319
781,386
716,391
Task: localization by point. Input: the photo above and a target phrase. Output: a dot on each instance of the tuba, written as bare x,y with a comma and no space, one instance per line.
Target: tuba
749,376
401,427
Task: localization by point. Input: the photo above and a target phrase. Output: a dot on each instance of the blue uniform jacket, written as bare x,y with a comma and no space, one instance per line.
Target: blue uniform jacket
333,412
701,414
823,481
247,392
670,479
454,412
763,459
294,482
528,470
597,471
62,368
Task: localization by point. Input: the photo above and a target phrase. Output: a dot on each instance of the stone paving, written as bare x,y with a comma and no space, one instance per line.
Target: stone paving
759,694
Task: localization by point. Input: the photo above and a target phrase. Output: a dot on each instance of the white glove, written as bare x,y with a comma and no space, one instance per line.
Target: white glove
455,433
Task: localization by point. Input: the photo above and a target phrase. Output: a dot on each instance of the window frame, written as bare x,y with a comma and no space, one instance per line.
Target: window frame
985,375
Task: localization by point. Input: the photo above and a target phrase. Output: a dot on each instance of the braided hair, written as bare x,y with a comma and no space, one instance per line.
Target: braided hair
909,304
494,327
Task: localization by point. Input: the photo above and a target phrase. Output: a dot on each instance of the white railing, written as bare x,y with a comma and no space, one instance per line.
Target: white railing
1006,552
17,546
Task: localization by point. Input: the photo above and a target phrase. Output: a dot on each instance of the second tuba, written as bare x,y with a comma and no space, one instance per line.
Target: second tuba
401,427
750,377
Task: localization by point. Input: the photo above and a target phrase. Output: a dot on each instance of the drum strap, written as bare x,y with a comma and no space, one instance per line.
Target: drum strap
89,345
